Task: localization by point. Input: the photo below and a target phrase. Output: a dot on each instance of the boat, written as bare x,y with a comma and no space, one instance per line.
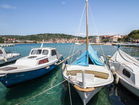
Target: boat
78,43
126,70
39,62
87,74
7,57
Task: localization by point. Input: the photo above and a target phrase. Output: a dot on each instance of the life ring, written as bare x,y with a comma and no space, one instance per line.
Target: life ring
116,78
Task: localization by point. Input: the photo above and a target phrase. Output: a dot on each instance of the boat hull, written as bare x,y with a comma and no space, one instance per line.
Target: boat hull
129,86
86,96
10,80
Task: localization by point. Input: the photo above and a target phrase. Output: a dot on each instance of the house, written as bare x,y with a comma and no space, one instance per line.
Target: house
96,39
113,39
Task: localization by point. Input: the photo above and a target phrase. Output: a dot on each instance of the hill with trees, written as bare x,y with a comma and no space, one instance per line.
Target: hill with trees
40,37
132,36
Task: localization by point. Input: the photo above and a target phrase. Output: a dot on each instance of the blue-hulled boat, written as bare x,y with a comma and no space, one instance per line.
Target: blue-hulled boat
39,62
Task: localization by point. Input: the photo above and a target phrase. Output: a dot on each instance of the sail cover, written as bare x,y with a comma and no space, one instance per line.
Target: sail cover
122,57
83,61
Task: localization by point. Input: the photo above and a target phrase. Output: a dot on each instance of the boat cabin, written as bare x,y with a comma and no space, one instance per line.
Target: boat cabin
39,56
128,72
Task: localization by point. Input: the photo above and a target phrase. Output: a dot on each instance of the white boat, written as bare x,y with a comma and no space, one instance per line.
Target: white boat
126,69
78,43
39,62
7,57
88,74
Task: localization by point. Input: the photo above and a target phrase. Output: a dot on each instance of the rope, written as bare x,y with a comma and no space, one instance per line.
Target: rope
95,27
70,49
105,56
81,19
72,53
41,93
70,93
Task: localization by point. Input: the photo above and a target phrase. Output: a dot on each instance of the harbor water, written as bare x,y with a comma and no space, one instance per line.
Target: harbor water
39,91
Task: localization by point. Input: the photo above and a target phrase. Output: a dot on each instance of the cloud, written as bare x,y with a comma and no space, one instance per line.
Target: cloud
6,6
63,2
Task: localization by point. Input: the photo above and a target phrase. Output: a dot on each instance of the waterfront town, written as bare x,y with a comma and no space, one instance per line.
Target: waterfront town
96,39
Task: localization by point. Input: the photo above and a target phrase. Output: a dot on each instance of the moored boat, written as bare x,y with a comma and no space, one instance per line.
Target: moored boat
126,70
39,62
7,57
78,43
88,74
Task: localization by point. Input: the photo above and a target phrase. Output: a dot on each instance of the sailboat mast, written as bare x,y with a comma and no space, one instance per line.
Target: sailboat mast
87,25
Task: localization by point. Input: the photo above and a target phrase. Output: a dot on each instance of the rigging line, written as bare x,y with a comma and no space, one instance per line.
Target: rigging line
70,50
41,93
72,53
81,19
95,27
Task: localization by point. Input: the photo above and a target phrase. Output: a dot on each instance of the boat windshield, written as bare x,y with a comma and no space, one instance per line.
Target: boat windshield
36,51
39,51
45,52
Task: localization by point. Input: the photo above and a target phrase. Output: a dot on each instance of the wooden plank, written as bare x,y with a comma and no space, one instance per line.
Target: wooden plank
96,73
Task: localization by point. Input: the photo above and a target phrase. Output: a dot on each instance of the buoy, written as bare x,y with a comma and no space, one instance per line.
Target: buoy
5,59
64,65
116,79
112,68
47,67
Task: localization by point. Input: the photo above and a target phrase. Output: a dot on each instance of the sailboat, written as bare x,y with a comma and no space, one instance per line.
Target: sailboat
88,74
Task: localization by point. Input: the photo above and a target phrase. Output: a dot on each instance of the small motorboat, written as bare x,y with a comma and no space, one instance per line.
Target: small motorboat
78,43
7,57
126,70
39,62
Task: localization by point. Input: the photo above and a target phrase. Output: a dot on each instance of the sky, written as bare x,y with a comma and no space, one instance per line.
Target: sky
106,17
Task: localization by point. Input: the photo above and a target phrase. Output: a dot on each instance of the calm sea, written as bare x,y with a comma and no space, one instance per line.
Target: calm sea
59,95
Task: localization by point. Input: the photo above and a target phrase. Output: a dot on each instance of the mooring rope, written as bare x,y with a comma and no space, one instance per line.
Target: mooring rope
41,92
70,94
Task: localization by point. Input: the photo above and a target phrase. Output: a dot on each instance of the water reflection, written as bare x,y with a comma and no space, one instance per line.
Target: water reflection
119,95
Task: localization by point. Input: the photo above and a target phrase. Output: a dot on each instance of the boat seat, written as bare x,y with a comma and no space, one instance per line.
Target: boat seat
87,77
8,68
96,73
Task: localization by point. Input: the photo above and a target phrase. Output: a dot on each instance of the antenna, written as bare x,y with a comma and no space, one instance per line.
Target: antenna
42,43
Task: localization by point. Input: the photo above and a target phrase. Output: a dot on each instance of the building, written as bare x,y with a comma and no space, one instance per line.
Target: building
113,39
96,39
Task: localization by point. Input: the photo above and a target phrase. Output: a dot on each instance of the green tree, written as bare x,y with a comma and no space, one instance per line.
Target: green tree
1,40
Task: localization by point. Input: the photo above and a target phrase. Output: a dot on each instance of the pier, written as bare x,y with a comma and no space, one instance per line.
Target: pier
127,45
7,45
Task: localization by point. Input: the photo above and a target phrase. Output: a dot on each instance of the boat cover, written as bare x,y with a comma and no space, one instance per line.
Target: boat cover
82,60
122,57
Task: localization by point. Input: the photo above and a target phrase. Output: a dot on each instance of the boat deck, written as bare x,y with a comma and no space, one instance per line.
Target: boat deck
96,73
8,68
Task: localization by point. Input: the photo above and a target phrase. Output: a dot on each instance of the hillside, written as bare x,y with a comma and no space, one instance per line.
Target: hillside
40,37
132,36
